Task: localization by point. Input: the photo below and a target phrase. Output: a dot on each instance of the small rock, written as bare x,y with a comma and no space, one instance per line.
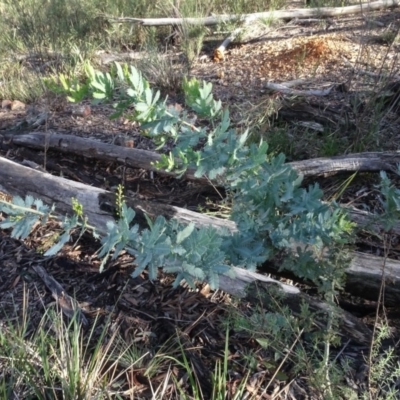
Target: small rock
176,107
17,105
125,141
81,111
6,104
129,142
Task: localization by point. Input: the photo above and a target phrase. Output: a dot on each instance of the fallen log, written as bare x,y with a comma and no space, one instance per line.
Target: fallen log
369,161
258,288
363,277
219,53
136,158
280,14
19,180
94,149
284,89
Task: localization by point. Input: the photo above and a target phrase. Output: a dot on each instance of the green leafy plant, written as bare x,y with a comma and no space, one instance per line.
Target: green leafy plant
390,201
200,99
71,87
22,215
384,369
273,213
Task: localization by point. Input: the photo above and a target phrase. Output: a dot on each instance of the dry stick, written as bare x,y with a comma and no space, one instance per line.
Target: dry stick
284,359
295,82
136,158
68,305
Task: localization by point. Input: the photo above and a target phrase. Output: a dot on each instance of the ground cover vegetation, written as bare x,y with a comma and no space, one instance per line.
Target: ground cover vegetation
49,55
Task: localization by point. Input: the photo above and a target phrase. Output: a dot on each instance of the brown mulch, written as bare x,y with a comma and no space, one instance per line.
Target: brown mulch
151,315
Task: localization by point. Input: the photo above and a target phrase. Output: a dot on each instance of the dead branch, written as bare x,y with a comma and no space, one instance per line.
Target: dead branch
88,148
99,206
280,14
67,304
295,82
327,166
284,89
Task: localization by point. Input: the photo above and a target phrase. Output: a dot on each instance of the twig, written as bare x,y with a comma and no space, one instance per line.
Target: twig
68,305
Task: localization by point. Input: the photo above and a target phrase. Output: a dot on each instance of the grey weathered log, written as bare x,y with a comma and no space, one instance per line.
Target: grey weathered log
277,14
284,89
364,276
94,149
98,206
324,166
369,222
18,180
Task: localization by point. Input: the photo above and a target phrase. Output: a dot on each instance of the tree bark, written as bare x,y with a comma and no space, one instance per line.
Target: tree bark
98,205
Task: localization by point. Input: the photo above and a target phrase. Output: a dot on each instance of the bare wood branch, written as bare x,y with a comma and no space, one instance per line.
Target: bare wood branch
326,166
253,287
19,180
99,205
295,82
280,14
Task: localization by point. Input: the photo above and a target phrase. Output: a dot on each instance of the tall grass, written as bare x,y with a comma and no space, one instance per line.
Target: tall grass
59,24
54,36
